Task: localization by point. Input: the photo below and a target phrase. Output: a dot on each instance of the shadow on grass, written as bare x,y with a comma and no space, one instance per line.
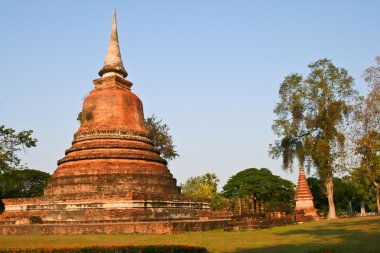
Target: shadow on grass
305,248
363,236
372,222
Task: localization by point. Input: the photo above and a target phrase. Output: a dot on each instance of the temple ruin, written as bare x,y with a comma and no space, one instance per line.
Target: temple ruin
112,179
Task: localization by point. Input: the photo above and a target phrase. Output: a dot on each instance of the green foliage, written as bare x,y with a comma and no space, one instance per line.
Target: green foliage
217,201
320,200
367,132
310,117
261,184
114,249
204,186
79,117
22,184
158,132
89,115
11,143
348,195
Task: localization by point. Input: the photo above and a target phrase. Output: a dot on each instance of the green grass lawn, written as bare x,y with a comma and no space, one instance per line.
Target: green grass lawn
346,235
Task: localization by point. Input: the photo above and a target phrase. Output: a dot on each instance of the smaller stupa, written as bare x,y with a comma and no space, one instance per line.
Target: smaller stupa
304,198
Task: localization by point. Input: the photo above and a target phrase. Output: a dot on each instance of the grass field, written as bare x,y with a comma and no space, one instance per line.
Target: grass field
346,235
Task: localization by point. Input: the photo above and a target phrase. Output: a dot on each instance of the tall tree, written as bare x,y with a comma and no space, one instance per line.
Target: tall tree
310,114
367,114
158,132
11,143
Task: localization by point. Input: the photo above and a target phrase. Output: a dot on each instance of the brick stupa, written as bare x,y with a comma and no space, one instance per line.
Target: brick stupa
304,198
112,173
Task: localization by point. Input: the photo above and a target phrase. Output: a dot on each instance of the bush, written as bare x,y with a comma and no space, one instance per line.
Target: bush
113,249
325,251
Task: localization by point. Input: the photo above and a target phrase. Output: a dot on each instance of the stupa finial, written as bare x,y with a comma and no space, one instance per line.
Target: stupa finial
113,64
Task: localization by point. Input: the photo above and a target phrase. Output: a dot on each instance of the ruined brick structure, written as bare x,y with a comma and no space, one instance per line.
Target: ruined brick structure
304,198
112,173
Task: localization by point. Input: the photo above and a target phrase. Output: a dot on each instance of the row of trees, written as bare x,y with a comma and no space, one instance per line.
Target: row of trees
349,197
263,190
257,186
323,123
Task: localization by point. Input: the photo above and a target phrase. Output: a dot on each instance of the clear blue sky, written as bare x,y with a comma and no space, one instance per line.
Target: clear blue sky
210,69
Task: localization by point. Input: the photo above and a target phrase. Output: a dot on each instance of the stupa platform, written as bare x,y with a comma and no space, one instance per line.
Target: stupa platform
130,207
132,213
116,227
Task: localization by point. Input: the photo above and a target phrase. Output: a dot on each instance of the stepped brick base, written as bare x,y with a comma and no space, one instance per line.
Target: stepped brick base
130,207
163,227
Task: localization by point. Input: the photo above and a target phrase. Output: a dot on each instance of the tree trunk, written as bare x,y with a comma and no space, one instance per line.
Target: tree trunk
330,197
350,208
377,195
362,209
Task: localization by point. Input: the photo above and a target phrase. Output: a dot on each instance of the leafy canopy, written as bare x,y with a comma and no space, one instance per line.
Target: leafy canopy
261,184
348,194
367,114
11,143
22,184
204,186
158,132
310,115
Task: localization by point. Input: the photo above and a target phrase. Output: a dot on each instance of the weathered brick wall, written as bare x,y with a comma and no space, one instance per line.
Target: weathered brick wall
109,228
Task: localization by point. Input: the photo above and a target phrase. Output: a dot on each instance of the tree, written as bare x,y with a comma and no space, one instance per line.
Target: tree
12,142
261,186
367,143
351,194
310,115
158,132
22,183
319,198
204,186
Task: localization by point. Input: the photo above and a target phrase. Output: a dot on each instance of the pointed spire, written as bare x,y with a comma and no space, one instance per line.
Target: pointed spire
113,64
